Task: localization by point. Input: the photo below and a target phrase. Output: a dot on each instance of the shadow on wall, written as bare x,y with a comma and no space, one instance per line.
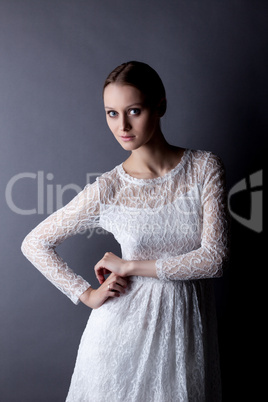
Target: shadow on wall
239,295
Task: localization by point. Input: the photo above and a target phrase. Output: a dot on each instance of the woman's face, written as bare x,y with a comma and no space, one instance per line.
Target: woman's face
131,121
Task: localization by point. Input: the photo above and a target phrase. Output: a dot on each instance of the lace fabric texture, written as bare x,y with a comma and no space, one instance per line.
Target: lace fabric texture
39,245
158,342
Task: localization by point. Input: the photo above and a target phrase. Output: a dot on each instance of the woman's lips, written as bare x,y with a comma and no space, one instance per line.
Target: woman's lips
127,137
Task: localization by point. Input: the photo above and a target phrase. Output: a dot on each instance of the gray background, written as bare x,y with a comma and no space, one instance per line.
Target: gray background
54,57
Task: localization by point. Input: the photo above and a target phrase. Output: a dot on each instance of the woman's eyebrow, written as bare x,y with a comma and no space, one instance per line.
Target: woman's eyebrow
133,104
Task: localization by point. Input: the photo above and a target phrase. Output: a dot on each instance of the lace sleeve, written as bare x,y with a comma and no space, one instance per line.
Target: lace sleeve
207,261
39,245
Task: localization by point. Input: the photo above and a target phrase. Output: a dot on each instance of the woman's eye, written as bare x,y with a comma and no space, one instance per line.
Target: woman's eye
112,113
134,112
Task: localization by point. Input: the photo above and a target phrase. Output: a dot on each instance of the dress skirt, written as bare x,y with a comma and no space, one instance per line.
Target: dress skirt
155,343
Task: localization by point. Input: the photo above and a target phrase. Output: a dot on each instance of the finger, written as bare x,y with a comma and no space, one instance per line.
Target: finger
111,292
115,286
99,272
100,276
101,269
114,294
101,280
118,288
122,282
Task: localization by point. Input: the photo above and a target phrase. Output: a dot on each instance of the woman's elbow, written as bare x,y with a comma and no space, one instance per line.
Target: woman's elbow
220,259
32,244
25,245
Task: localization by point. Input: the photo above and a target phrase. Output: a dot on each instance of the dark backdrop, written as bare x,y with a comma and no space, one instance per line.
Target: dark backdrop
54,57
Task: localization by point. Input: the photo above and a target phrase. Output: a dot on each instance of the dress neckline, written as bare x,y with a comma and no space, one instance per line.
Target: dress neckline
155,180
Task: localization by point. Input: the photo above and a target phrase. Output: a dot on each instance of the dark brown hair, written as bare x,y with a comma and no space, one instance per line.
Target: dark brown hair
144,78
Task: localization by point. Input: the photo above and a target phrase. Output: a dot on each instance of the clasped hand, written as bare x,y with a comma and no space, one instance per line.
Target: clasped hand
108,264
113,286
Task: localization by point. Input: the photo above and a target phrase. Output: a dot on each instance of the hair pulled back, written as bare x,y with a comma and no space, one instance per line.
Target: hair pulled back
144,78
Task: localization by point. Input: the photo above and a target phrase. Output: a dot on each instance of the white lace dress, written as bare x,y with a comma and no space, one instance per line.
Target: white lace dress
158,341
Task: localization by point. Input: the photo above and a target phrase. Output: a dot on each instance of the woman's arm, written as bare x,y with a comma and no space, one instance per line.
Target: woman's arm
39,245
208,260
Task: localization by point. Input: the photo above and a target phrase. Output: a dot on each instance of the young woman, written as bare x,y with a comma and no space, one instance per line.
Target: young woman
151,335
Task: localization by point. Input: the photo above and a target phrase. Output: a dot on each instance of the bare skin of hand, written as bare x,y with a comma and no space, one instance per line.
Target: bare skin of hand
118,271
111,263
94,298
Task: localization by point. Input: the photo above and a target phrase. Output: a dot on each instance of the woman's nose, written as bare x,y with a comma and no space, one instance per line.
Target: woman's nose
124,124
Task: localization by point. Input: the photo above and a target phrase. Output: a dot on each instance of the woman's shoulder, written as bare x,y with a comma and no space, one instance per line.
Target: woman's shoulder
103,181
202,155
202,165
109,181
111,175
205,159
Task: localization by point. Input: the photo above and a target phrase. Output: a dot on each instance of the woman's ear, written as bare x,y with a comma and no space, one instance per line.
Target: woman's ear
162,107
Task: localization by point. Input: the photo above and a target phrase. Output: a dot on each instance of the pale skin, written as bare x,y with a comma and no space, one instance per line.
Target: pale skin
137,129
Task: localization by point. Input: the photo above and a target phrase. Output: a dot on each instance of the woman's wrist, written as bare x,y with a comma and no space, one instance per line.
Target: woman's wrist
129,268
141,268
85,297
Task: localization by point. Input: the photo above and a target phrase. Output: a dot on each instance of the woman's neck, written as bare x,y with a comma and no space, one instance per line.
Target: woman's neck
153,159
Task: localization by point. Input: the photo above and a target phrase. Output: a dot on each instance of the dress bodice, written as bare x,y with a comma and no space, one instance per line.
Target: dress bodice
179,220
